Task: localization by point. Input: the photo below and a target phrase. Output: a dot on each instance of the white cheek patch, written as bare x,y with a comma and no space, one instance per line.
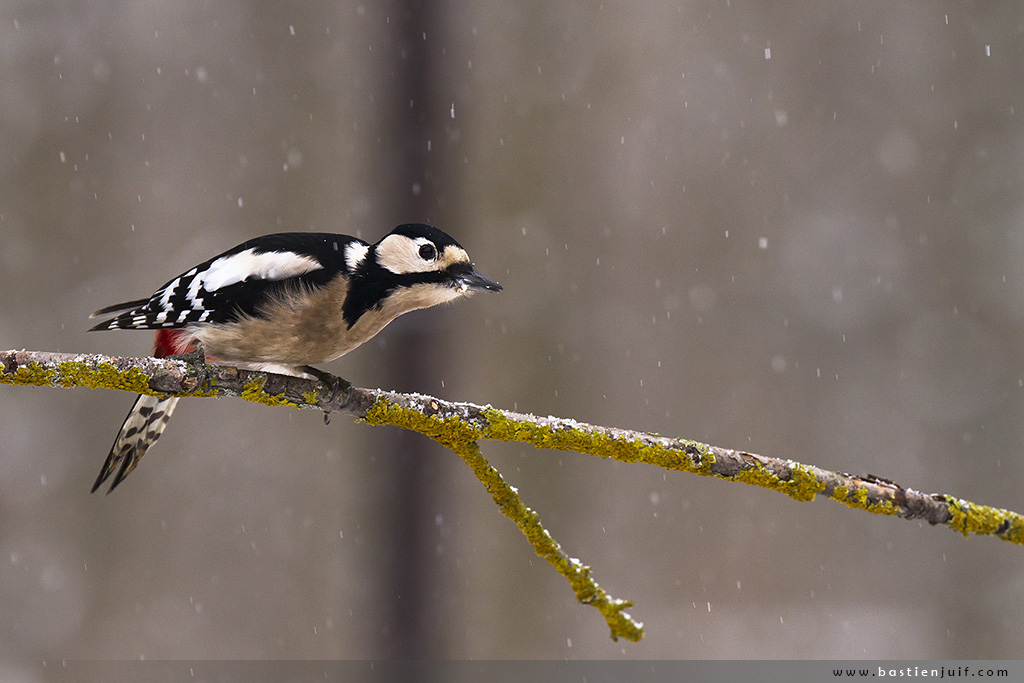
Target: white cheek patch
355,254
401,255
272,265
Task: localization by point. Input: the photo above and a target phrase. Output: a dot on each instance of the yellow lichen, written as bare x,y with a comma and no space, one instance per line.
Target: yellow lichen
103,375
32,374
84,374
445,430
802,486
860,499
253,391
971,518
566,438
462,438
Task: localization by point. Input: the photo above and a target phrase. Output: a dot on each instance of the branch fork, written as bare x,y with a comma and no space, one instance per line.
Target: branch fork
461,426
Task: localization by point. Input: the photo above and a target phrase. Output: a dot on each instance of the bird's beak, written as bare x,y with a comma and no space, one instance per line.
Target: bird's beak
474,280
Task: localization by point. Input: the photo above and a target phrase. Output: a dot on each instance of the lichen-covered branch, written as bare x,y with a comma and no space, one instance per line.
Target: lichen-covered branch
460,426
588,592
175,377
798,481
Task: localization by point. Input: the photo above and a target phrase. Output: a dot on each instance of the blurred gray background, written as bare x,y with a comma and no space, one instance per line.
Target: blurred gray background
793,229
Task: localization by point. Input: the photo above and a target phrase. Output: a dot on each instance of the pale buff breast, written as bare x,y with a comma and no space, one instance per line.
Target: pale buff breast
308,329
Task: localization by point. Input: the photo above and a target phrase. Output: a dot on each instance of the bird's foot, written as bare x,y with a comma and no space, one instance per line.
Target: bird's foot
338,387
196,357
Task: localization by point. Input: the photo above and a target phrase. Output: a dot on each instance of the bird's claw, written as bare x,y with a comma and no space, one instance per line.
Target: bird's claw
196,357
338,386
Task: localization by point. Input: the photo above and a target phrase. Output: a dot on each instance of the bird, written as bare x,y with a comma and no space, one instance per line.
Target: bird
284,302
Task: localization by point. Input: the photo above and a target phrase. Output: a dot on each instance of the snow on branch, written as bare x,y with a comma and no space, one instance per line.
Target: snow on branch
460,426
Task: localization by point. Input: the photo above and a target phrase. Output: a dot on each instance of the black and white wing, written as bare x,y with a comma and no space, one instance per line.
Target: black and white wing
240,280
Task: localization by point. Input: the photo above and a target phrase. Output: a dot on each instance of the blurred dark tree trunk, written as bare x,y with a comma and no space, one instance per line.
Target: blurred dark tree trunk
409,195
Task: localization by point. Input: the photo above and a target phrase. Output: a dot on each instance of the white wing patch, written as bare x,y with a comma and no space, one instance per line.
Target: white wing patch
271,265
355,253
193,292
193,297
167,292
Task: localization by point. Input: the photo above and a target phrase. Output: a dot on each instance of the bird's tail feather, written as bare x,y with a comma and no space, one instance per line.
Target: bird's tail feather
146,420
145,423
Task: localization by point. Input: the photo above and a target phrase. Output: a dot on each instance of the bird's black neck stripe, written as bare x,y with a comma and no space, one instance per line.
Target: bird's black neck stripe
369,287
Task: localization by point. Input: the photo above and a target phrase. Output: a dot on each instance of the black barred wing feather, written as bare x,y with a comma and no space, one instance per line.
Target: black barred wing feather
236,282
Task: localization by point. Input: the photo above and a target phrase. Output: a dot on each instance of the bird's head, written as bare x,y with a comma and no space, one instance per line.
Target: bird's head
422,254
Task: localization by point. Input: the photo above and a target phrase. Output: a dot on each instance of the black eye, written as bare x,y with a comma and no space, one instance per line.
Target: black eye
427,252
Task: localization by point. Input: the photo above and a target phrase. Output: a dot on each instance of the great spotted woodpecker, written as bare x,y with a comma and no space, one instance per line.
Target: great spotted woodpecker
286,300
